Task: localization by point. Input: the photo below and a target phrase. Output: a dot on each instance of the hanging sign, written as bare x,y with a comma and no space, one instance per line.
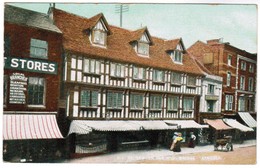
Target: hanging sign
31,65
18,87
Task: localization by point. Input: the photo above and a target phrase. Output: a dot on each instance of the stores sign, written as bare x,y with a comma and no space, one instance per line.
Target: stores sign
31,65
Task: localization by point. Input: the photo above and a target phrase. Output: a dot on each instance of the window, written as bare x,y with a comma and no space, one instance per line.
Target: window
211,89
251,68
89,98
173,103
228,78
39,48
99,37
210,104
36,89
188,104
251,84
139,73
5,88
177,56
136,101
243,65
241,103
191,81
114,100
143,48
158,76
117,70
229,62
91,66
76,69
7,46
156,102
176,78
229,102
242,83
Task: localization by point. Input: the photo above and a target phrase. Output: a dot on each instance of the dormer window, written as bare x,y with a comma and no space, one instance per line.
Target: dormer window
99,37
143,48
177,56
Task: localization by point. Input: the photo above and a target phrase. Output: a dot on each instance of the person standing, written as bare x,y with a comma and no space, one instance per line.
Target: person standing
175,135
192,140
177,143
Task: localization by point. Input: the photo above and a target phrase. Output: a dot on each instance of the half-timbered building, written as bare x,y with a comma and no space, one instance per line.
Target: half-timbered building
121,85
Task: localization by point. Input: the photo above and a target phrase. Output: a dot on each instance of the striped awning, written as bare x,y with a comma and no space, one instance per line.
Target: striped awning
30,126
183,124
218,124
85,126
248,119
235,124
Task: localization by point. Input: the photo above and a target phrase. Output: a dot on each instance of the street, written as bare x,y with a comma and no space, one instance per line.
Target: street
243,154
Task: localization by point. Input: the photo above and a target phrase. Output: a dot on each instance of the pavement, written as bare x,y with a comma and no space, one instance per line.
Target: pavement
159,153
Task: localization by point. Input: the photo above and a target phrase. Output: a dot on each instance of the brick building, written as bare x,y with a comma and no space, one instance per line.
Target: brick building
238,70
123,88
31,85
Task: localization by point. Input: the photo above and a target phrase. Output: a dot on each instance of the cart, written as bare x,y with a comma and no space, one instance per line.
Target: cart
224,144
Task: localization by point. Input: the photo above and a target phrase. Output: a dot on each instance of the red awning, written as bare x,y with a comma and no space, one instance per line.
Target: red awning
218,124
30,126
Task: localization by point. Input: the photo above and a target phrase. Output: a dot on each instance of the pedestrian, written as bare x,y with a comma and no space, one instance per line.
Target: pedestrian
175,135
192,140
177,143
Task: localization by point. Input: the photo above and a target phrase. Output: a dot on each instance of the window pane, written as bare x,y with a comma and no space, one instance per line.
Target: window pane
36,91
38,48
85,98
73,63
143,48
94,98
86,65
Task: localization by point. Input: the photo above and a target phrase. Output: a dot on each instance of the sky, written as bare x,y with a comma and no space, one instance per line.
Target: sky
233,23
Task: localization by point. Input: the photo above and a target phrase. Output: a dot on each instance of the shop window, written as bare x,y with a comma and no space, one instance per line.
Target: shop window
114,100
156,102
88,98
136,101
36,91
39,48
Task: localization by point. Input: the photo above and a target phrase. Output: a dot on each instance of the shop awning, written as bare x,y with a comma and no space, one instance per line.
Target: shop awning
235,124
154,125
30,126
85,126
248,119
218,124
185,124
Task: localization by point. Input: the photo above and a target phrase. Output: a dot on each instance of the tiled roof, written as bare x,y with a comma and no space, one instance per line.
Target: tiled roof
118,45
30,18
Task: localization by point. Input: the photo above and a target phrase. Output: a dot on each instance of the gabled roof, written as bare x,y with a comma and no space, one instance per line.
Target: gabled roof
29,18
137,34
94,20
118,48
172,44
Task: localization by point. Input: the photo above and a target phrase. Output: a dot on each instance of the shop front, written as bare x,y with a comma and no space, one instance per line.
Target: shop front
31,137
95,137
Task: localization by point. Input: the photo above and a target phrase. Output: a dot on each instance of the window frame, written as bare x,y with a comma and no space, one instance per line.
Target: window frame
228,79
104,37
91,93
141,45
135,102
43,93
193,83
251,84
91,66
229,99
115,104
229,60
118,72
251,68
211,89
177,56
184,106
155,102
137,73
33,45
242,82
243,66
171,107
157,78
176,78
